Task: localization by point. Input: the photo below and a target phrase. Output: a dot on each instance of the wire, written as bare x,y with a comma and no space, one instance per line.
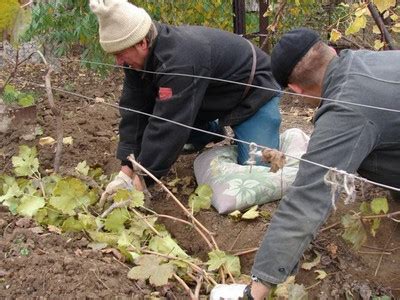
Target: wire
243,84
213,133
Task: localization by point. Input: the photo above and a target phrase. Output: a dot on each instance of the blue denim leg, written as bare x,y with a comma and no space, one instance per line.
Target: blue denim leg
262,128
200,139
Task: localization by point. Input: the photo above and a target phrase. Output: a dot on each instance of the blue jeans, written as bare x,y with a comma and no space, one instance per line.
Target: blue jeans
261,128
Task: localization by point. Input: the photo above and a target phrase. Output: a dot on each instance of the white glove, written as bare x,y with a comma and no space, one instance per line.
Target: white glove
227,291
121,181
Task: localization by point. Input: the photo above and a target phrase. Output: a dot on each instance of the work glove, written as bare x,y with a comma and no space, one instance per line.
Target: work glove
121,181
229,291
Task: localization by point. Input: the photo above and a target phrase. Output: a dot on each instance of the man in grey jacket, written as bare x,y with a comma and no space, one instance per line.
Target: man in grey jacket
349,135
162,51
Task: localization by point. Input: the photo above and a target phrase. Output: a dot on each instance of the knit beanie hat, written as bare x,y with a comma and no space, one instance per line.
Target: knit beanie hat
289,51
121,24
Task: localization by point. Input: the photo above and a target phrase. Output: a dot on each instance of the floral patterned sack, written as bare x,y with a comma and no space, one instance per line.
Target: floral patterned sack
235,187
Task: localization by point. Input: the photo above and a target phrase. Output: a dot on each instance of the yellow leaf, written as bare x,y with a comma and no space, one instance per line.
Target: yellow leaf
235,214
383,5
376,30
358,23
335,35
321,274
252,213
361,11
394,17
396,27
68,140
48,140
378,45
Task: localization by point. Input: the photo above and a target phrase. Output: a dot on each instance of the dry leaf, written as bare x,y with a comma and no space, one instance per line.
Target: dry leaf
321,274
276,158
54,229
114,252
46,141
99,100
309,265
68,140
332,248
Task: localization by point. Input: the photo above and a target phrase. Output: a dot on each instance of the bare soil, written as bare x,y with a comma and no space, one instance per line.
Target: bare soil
37,262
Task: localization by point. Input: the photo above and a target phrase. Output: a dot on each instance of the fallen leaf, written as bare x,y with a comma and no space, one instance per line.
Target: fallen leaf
332,248
114,252
276,158
97,246
54,229
68,140
99,100
46,141
235,214
309,265
321,274
251,214
37,230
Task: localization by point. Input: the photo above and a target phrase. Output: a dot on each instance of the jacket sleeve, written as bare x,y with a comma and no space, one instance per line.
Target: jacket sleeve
181,98
132,125
342,139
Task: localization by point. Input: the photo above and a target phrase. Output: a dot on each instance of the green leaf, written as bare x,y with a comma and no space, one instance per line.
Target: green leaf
121,195
12,191
26,100
201,198
379,205
138,226
124,194
365,208
354,231
70,194
116,219
151,267
83,168
72,225
166,245
252,213
88,221
104,237
125,239
30,205
218,258
26,164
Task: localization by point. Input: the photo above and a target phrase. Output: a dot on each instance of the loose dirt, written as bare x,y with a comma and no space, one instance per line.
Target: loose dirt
40,263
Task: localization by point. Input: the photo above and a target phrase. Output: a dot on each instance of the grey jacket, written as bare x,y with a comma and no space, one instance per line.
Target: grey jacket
346,137
189,50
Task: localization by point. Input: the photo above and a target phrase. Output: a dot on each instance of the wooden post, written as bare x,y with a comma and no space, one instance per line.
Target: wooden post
263,23
239,16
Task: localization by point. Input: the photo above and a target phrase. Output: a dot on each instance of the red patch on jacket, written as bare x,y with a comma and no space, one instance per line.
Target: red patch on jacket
164,93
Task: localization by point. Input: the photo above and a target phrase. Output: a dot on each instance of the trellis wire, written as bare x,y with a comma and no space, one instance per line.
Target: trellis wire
344,173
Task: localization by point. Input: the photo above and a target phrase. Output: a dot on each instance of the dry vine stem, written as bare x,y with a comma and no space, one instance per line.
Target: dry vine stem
138,166
187,212
56,112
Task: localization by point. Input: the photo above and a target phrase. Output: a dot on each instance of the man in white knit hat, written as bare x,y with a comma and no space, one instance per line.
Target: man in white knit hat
128,33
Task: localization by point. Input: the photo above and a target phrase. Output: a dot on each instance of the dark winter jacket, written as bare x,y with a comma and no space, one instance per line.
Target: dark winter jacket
195,51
